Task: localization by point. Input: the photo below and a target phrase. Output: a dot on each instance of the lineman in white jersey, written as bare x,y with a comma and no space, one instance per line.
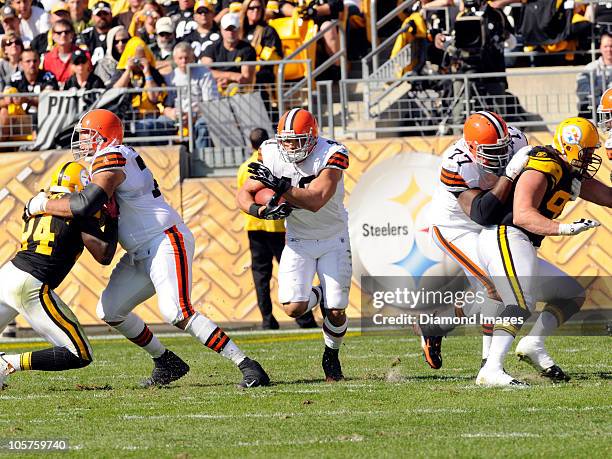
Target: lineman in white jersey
469,192
306,170
159,250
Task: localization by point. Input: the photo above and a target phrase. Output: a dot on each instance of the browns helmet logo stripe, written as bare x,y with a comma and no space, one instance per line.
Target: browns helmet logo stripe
289,120
501,129
182,270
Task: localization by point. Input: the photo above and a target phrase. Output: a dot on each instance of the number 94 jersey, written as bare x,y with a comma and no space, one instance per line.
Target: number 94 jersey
143,211
332,218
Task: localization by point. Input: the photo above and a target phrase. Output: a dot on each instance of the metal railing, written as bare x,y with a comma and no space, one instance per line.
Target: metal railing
438,104
326,64
376,23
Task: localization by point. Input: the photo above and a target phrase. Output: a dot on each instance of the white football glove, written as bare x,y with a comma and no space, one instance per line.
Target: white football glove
571,229
36,205
517,163
576,185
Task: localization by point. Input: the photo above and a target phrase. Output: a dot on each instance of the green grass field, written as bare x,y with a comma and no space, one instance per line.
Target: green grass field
391,405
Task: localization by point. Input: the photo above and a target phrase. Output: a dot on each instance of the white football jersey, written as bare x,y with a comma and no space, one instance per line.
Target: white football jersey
332,218
143,211
459,173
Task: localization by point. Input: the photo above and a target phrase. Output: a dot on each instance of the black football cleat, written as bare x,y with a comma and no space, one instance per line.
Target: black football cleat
253,374
432,350
168,367
331,365
555,374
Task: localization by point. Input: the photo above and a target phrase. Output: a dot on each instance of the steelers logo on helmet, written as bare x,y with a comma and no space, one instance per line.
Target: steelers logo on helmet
70,177
572,135
577,139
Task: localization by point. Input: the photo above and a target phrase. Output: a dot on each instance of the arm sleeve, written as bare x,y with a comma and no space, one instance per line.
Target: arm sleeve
338,160
486,209
108,161
451,179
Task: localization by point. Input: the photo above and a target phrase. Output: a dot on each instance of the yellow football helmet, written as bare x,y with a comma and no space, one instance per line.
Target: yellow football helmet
577,139
69,178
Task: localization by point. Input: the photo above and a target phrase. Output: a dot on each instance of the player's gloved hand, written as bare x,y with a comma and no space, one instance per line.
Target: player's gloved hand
111,208
262,174
36,205
517,163
571,229
310,12
276,211
576,185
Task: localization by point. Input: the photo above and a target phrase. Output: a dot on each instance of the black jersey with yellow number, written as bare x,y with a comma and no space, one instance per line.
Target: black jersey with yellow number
50,246
558,189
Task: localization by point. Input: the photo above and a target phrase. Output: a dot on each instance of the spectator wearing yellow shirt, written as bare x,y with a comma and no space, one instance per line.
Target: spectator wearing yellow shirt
266,242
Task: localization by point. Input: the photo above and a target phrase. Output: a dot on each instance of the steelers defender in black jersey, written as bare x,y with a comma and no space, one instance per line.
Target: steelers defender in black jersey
553,176
50,246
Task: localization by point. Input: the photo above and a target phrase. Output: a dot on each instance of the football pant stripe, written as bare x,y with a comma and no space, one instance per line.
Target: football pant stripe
180,260
504,249
64,323
464,261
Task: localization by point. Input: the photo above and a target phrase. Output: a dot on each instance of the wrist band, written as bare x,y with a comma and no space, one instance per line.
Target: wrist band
254,210
149,78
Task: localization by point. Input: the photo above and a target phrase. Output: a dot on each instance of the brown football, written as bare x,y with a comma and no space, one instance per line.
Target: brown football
262,197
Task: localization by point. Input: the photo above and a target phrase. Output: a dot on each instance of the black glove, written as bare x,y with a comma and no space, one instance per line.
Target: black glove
262,174
311,12
276,211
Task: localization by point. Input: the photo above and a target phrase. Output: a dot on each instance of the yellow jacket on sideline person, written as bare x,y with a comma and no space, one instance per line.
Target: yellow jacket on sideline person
251,223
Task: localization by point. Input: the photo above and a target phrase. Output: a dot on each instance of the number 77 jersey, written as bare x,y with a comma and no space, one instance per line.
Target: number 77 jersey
332,218
459,172
144,213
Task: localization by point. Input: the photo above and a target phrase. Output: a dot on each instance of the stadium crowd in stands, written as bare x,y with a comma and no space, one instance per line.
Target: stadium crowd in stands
141,44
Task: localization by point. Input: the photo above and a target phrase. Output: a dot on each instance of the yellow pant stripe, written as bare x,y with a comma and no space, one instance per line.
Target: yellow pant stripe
504,248
507,328
64,323
25,361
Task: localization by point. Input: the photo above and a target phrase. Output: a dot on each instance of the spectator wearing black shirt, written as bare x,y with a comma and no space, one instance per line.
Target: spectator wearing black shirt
207,31
263,38
31,79
322,12
231,49
183,19
43,42
82,76
164,43
95,37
